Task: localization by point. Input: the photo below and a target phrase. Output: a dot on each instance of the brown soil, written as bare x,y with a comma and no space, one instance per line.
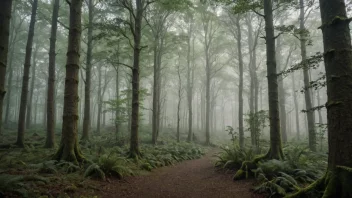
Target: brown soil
190,179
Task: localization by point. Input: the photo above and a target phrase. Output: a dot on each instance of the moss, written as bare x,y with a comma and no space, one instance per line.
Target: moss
336,183
247,166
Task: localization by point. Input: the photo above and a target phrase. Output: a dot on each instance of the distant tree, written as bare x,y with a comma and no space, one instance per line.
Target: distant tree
87,86
69,148
5,15
25,81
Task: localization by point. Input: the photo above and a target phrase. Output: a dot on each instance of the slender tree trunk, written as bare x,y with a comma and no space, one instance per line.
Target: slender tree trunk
240,88
156,92
87,87
50,102
179,99
275,151
296,106
5,15
307,93
282,93
99,98
319,111
134,145
25,81
30,98
117,112
189,81
69,148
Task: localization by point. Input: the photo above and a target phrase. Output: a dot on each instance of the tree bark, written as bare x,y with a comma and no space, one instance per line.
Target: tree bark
275,151
134,145
307,93
5,16
69,147
50,102
25,81
179,99
296,106
30,98
100,101
189,81
240,87
282,93
87,87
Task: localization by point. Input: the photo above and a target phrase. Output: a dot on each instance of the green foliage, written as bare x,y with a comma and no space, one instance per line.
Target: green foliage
256,122
233,157
94,171
165,155
20,184
114,165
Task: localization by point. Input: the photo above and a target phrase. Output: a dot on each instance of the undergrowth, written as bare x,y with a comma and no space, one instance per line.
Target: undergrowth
274,177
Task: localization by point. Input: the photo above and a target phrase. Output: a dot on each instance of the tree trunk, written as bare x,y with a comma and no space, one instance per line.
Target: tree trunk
307,93
275,151
282,93
134,146
50,102
100,101
117,112
179,98
5,15
30,98
69,147
338,67
240,88
296,106
189,81
319,111
86,119
25,81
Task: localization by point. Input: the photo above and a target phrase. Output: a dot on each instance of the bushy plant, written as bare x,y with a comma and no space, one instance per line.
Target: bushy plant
232,157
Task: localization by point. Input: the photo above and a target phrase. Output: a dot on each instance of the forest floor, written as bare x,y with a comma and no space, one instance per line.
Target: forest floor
188,179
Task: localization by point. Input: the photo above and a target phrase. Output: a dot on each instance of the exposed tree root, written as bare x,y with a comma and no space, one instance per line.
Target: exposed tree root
73,155
336,183
247,166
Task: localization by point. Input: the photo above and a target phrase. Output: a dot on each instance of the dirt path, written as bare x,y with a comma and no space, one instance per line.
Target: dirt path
190,179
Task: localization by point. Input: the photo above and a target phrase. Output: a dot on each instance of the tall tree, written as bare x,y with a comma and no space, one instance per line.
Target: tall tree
87,87
25,81
338,68
5,15
50,109
31,91
307,93
69,147
190,77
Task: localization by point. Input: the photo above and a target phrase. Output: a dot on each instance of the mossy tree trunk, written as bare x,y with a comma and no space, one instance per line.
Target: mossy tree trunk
137,35
25,81
338,66
50,109
31,91
5,15
69,147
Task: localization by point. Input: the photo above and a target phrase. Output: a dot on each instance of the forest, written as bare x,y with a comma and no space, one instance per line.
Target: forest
175,98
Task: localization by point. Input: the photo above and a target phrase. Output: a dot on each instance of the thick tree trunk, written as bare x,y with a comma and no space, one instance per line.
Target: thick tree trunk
50,102
134,145
5,15
30,98
69,147
240,88
338,67
87,119
25,81
307,93
275,151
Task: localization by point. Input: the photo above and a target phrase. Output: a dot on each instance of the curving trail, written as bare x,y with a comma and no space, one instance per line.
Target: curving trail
189,179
